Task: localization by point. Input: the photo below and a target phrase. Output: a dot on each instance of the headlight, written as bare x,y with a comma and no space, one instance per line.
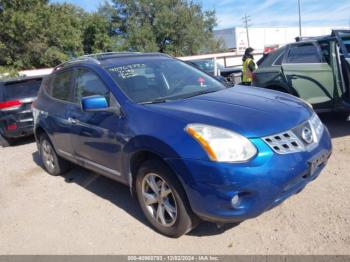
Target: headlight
222,145
317,127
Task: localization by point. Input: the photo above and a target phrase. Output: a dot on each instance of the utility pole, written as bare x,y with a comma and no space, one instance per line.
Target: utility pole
246,21
299,7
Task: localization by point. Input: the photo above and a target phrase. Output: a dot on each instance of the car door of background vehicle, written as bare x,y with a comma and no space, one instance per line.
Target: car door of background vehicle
343,41
94,136
308,73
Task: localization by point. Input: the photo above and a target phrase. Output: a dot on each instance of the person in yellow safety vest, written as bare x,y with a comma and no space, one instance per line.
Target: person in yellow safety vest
249,67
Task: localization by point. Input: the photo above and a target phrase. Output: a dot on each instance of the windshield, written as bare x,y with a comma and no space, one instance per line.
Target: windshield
159,80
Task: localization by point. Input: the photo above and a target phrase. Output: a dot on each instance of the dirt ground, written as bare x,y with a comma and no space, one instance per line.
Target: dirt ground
83,213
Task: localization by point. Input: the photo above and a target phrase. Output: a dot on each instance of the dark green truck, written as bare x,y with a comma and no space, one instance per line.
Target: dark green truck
314,69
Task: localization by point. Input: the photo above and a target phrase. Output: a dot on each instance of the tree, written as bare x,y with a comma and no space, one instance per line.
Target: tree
36,34
177,27
96,36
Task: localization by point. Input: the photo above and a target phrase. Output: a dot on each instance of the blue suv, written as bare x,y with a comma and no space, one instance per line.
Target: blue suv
190,148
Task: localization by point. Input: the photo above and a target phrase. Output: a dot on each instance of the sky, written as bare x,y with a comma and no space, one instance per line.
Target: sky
266,12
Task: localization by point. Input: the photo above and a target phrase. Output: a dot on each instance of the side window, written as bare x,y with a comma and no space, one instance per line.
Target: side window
325,51
304,53
279,60
87,83
61,86
272,58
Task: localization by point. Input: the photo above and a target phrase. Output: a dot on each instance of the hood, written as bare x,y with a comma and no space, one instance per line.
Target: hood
252,112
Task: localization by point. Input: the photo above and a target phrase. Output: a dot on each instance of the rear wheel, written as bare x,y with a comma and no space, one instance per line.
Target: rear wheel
163,200
5,142
54,164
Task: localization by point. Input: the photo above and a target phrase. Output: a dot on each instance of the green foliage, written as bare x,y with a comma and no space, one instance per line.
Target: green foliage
37,33
177,27
6,73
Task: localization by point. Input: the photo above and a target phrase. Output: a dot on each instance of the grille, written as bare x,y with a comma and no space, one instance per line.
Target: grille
295,139
284,143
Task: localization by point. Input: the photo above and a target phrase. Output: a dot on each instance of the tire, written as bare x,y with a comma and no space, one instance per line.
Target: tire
343,116
170,215
5,142
53,164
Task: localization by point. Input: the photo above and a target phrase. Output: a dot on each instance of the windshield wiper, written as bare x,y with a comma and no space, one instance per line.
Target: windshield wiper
164,100
203,92
155,101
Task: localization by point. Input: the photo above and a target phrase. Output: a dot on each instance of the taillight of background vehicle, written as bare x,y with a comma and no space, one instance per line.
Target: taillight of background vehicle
268,49
11,127
10,105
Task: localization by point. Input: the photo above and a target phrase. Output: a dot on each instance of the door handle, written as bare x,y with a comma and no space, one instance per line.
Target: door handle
73,121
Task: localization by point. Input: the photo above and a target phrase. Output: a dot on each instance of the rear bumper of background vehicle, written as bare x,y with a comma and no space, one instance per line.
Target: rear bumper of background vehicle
17,124
19,132
18,129
261,184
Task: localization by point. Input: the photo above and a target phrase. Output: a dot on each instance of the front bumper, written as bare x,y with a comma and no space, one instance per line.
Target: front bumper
261,184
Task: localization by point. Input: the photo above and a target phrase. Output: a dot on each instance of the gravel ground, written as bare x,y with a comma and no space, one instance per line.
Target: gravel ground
83,213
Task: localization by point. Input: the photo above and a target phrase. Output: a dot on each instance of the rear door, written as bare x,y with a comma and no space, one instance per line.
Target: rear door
309,74
269,74
57,120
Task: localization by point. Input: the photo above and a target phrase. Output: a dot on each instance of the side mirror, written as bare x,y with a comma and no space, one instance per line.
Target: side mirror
97,104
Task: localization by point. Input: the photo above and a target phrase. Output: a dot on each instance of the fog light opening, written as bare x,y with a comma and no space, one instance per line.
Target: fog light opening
235,201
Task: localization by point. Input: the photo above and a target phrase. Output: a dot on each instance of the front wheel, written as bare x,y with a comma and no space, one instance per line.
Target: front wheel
53,163
163,200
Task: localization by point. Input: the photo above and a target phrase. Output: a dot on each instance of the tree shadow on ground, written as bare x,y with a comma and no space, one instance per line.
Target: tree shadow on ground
120,195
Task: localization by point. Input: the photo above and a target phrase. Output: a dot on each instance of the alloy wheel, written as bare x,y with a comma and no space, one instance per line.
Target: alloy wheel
48,155
159,200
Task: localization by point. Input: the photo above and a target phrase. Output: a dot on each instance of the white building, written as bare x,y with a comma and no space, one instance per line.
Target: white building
261,37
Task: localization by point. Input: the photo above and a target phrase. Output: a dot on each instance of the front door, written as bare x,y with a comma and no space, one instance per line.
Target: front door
343,44
308,71
94,138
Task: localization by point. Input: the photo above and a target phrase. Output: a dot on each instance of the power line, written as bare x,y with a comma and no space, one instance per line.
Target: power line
247,23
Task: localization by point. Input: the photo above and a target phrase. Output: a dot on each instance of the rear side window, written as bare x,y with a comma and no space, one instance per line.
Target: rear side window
89,84
61,86
304,53
279,59
273,58
21,89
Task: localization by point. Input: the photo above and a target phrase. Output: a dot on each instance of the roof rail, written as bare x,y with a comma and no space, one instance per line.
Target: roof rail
77,60
94,58
309,38
106,54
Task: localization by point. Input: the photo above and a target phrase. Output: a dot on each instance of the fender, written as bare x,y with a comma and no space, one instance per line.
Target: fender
148,144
